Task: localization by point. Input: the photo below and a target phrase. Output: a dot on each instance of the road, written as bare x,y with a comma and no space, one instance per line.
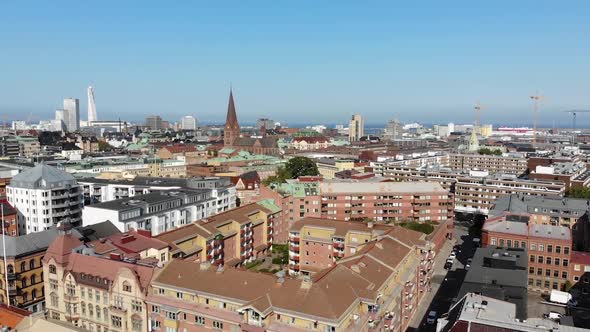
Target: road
447,282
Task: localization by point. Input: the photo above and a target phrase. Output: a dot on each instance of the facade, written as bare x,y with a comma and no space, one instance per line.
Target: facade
232,238
154,122
45,196
393,131
91,106
385,201
23,146
9,217
188,122
92,292
329,167
478,194
371,289
23,279
516,164
549,248
178,151
247,187
356,128
161,211
72,113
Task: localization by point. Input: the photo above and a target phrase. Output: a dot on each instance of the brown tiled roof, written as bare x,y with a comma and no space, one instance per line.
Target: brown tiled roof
340,227
240,215
180,148
106,269
134,242
61,248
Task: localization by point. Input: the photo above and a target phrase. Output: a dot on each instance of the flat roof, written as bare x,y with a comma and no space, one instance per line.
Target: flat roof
382,187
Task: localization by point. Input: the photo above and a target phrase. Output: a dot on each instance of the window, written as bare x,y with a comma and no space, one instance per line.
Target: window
547,284
156,325
549,248
531,270
200,320
116,321
23,266
32,264
161,291
97,312
566,250
523,244
136,305
217,325
82,292
555,285
178,295
90,310
54,300
566,262
71,289
548,260
118,301
541,247
52,269
105,313
501,242
558,249
548,273
539,271
126,287
170,315
97,296
83,307
540,259
493,241
538,283
564,274
531,281
557,261
90,294
532,260
556,273
533,246
155,309
23,282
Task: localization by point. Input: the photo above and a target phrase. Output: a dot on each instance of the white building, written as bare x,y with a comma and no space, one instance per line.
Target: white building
72,114
356,128
188,122
91,106
19,125
45,196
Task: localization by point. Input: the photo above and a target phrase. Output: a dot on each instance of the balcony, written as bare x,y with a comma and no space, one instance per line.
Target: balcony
339,245
295,267
70,298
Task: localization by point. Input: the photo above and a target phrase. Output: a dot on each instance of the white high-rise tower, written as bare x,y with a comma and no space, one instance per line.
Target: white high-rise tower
91,106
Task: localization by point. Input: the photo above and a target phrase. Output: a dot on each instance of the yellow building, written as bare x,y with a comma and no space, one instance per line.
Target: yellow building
92,292
329,167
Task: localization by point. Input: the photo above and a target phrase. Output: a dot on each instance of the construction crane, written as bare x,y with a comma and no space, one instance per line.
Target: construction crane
535,98
478,107
574,113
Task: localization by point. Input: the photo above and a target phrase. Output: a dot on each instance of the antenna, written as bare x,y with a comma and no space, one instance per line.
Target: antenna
535,98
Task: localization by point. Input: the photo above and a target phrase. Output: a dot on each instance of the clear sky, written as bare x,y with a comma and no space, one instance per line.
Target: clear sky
297,61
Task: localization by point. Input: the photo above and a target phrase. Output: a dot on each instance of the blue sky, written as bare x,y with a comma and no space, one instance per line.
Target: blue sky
297,61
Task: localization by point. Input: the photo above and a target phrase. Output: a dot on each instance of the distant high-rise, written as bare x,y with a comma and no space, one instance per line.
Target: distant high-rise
393,130
72,114
232,127
91,106
266,123
356,128
154,122
188,122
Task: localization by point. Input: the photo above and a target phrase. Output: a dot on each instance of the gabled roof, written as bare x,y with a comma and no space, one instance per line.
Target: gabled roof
61,248
32,242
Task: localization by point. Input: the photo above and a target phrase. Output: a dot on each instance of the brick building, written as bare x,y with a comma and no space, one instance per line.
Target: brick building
549,248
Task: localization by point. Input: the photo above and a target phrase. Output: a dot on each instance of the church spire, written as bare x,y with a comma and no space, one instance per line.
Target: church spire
231,121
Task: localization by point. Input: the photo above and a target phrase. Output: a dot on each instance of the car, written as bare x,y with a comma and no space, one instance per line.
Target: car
553,315
431,318
448,265
452,256
467,266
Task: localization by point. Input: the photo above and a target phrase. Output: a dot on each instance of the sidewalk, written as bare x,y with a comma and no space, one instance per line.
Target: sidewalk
437,277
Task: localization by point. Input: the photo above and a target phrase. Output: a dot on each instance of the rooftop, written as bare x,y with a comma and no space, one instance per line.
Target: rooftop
42,176
531,204
382,187
151,198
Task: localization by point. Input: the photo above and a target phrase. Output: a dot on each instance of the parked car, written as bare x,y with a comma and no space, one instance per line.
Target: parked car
431,318
452,256
448,265
553,315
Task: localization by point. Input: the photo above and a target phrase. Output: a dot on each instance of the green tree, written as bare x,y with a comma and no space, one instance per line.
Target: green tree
104,146
301,166
579,192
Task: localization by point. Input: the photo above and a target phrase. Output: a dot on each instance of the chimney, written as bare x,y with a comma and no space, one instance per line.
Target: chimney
115,256
144,232
204,265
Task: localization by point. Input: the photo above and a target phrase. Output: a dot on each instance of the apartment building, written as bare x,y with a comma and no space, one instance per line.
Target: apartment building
573,174
45,196
147,167
445,176
385,201
296,200
103,190
506,164
371,289
231,238
22,281
329,167
9,214
475,194
92,292
549,248
157,212
430,158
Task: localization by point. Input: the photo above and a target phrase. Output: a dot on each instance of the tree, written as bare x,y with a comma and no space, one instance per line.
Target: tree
301,166
104,146
579,192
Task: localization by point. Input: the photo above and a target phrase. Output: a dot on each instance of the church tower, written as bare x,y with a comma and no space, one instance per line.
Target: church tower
232,127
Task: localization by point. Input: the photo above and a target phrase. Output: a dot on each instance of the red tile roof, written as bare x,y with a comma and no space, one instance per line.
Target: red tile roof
11,316
579,257
135,242
61,248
